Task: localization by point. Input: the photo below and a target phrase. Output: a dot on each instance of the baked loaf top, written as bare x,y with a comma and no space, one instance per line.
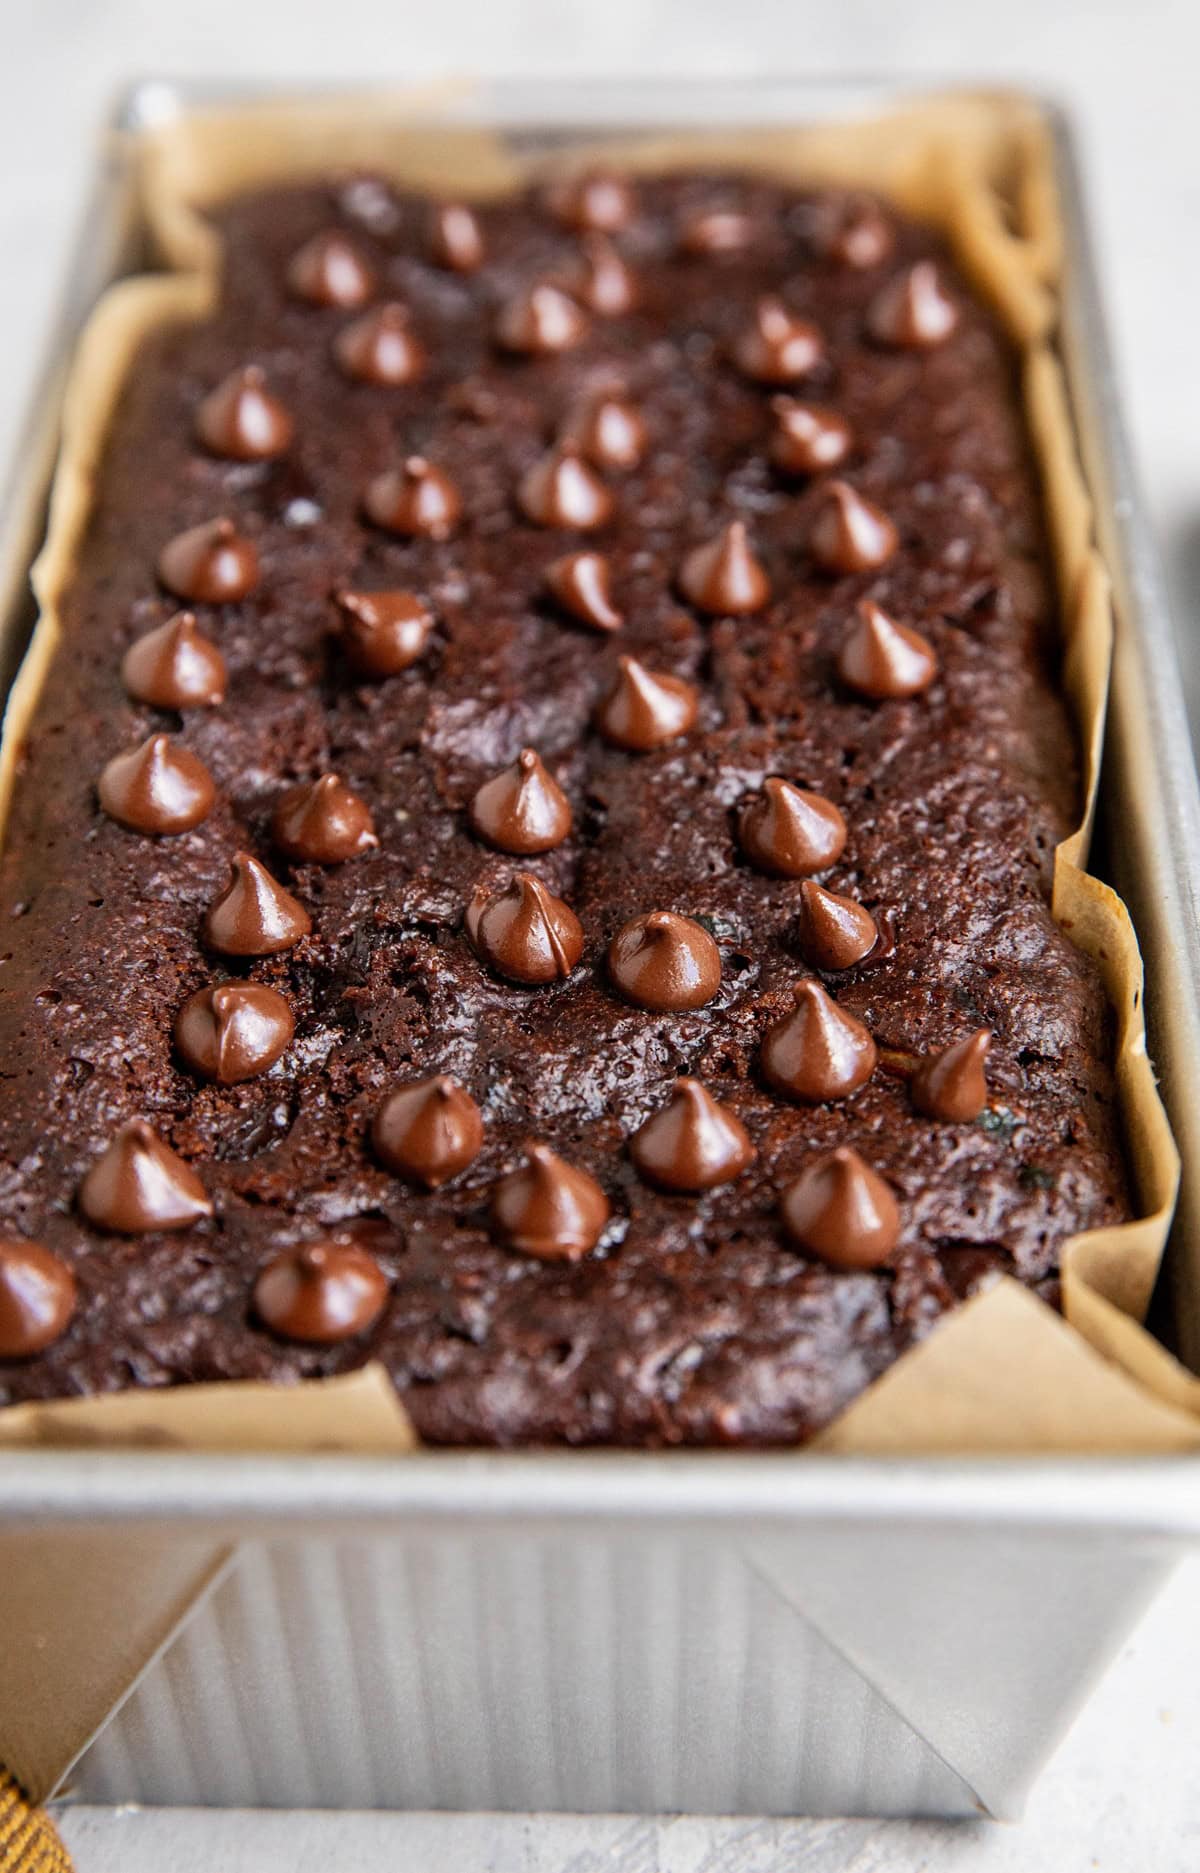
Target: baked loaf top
658,568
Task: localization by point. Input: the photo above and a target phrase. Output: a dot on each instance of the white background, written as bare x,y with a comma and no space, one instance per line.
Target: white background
1120,1795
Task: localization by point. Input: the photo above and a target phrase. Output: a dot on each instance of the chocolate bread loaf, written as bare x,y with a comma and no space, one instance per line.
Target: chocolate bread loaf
533,861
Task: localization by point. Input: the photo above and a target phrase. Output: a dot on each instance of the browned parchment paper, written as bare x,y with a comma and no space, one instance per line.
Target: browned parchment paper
1004,1373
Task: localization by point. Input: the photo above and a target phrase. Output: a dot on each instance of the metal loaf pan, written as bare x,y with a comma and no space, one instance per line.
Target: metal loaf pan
626,1631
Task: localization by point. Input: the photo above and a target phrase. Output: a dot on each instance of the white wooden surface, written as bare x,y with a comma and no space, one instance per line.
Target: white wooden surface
1123,1791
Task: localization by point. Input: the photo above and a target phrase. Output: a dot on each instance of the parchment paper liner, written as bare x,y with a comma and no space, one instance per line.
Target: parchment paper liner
1004,1373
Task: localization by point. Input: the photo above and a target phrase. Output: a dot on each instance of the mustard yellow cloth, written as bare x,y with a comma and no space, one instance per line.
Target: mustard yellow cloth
29,1842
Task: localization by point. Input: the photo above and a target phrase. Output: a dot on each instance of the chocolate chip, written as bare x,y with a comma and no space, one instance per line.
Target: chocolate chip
665,962
522,809
254,915
456,238
716,231
175,667
789,831
321,1292
548,1208
808,437
607,429
418,500
322,822
644,710
524,932
724,576
541,320
329,270
818,1052
913,312
862,235
383,632
842,1211
849,533
581,583
835,932
380,348
428,1131
951,1084
212,564
694,1143
138,1184
596,198
240,419
233,1031
602,280
561,490
881,659
779,346
37,1298
157,788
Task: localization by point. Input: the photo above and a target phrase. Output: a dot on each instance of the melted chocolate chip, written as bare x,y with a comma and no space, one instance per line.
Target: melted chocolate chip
790,832
329,270
254,915
808,437
175,667
138,1184
383,632
456,238
212,564
419,501
913,312
834,932
842,1211
581,584
724,577
233,1031
644,710
322,822
665,962
541,320
952,1085
428,1131
849,533
524,932
240,419
693,1143
562,491
321,1292
522,809
881,659
157,788
380,348
548,1208
779,346
818,1052
37,1298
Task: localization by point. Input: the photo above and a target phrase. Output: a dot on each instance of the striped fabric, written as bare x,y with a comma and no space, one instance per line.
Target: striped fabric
28,1841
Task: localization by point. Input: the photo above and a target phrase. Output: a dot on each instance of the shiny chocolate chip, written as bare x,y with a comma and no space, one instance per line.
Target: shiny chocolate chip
549,1208
233,1031
138,1184
819,1051
428,1131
